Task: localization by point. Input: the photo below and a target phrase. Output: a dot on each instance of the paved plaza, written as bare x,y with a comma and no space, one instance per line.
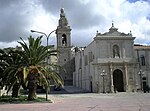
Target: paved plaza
87,102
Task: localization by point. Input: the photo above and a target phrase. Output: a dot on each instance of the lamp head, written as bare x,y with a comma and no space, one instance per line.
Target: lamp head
103,71
32,31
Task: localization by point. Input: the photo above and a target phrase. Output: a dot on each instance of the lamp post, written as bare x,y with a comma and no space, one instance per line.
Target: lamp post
97,85
103,74
141,73
47,38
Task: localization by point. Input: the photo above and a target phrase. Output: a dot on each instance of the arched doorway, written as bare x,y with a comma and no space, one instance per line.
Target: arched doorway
118,80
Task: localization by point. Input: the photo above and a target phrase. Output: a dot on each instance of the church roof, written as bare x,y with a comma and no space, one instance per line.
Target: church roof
113,31
141,47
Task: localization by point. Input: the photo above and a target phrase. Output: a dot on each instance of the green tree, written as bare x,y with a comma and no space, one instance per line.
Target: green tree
2,68
35,73
14,71
11,68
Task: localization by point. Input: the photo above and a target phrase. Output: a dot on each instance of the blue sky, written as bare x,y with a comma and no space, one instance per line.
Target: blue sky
85,17
133,1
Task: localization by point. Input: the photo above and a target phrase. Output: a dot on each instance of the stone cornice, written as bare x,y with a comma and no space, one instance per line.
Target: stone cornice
64,28
114,38
115,60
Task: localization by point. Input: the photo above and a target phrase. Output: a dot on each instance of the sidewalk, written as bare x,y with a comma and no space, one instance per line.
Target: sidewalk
87,102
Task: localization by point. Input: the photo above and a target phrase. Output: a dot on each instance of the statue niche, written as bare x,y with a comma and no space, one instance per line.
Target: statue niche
116,53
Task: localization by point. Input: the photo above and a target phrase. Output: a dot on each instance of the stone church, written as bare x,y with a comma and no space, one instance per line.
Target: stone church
110,63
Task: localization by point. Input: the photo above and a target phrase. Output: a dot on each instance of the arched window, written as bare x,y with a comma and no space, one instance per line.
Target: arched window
142,60
64,40
116,53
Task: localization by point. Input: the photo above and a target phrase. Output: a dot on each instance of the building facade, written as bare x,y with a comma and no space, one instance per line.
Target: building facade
142,55
112,63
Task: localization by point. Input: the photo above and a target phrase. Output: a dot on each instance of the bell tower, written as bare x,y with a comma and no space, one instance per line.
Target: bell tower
63,34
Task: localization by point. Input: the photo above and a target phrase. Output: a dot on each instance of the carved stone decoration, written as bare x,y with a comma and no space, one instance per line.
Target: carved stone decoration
63,20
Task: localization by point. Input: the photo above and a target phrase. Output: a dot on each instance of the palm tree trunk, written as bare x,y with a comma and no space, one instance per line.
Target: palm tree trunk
32,85
32,90
16,90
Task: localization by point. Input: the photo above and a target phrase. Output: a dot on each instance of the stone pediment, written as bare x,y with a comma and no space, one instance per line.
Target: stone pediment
114,32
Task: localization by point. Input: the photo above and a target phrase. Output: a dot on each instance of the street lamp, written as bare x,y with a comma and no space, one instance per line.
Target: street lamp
103,74
141,73
47,38
97,85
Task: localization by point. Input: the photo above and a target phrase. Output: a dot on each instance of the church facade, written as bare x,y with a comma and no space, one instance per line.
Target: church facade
110,63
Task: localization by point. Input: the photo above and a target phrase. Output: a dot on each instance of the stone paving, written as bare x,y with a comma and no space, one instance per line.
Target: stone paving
75,99
107,102
87,102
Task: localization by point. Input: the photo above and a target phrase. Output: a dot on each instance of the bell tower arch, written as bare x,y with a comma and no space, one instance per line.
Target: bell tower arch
63,34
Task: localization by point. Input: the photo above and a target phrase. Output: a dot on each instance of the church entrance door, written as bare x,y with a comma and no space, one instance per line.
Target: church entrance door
118,80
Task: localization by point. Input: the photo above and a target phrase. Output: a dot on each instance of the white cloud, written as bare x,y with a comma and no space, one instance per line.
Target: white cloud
44,21
9,44
127,16
84,16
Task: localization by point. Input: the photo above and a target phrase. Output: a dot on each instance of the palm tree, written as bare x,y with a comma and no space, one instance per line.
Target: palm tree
35,73
2,67
11,67
14,71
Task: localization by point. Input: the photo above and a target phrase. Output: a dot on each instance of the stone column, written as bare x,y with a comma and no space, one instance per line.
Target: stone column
111,77
126,74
